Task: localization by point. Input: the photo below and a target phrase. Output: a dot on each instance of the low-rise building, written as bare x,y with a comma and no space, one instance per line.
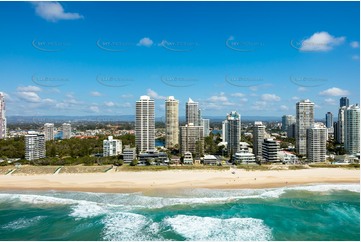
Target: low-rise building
129,154
210,160
112,147
153,157
188,158
243,157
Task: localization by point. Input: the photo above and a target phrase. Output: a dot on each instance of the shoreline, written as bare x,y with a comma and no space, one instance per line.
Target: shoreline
153,181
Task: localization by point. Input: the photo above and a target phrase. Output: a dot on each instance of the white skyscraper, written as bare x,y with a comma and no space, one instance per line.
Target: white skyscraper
316,142
171,122
49,131
2,116
205,124
145,124
192,113
112,147
259,131
233,132
34,146
352,129
304,120
66,127
224,130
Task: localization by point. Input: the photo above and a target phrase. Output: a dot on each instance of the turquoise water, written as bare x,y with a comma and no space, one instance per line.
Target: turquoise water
317,212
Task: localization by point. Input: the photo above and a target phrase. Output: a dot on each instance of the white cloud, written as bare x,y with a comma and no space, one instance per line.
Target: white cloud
109,104
330,101
145,42
270,98
355,44
28,89
154,95
96,94
29,97
284,108
243,100
54,11
259,105
302,89
355,57
295,98
334,91
218,98
94,109
126,96
238,94
125,105
321,41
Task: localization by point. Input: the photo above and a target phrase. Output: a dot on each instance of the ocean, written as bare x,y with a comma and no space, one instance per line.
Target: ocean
314,212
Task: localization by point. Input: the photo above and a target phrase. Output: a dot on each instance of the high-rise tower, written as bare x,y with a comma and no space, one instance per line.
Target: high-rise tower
145,124
304,120
171,122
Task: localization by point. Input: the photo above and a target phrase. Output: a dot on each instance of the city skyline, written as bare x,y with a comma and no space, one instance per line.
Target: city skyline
261,68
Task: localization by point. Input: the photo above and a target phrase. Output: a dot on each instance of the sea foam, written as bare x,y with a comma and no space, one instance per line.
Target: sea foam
216,229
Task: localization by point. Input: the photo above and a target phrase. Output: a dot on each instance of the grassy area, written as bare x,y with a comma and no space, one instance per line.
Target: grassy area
327,165
5,169
31,170
165,168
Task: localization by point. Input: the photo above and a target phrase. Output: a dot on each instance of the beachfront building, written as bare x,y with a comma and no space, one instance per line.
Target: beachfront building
112,147
352,129
66,128
153,158
129,154
171,122
244,157
259,131
233,132
205,124
210,160
49,131
270,147
188,158
287,121
316,143
193,113
145,124
2,116
34,146
287,157
304,120
191,139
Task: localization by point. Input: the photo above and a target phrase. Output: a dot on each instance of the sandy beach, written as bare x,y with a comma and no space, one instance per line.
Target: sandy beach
126,181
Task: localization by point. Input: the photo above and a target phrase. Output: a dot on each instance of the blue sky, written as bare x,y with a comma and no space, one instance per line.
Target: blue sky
258,58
